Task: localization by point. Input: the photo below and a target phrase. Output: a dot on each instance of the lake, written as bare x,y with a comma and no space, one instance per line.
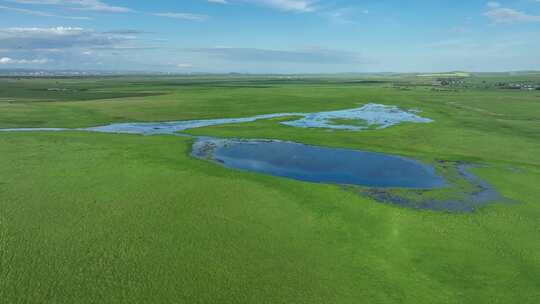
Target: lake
319,164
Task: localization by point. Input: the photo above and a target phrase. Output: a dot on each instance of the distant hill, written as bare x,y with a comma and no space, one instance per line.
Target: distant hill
449,74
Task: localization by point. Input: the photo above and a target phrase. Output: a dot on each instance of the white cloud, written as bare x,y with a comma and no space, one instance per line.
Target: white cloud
284,5
35,38
40,13
345,15
499,14
77,47
288,5
8,60
88,5
315,55
184,66
183,16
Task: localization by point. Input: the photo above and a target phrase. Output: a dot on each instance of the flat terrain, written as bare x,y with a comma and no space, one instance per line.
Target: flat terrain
107,218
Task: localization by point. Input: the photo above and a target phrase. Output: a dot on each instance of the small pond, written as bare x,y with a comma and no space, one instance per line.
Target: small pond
319,164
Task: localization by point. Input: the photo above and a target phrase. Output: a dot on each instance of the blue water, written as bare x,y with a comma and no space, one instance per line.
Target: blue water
378,115
320,164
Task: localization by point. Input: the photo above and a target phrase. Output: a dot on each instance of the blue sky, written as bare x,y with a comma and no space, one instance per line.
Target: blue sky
270,36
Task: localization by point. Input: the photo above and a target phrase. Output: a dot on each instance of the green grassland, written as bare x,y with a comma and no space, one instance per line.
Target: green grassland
107,218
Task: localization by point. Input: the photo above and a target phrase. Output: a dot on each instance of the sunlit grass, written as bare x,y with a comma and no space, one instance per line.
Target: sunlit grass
106,218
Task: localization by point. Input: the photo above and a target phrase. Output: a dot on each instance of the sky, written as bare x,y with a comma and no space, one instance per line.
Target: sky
270,36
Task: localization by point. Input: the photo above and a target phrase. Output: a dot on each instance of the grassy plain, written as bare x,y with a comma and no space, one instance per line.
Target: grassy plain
105,218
